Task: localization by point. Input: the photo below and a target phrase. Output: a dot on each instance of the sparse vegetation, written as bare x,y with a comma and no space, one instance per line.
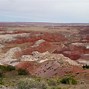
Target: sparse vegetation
68,80
31,83
10,68
6,68
52,82
26,82
1,80
1,73
86,67
2,68
22,72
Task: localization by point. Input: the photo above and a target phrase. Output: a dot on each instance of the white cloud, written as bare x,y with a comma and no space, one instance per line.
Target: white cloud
46,10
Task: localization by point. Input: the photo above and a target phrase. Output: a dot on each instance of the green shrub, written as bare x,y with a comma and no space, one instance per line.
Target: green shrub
31,84
68,80
86,67
1,81
1,73
22,72
7,68
10,68
52,82
2,68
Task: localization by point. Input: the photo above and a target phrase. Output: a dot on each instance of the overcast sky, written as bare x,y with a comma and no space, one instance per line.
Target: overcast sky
60,11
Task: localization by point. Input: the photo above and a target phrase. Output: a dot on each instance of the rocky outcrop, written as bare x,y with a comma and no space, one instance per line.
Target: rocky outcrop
12,37
74,55
28,66
13,53
56,68
37,43
84,59
47,64
1,47
42,57
42,47
49,68
11,56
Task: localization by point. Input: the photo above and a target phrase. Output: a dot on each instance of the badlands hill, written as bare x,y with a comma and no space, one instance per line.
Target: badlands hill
45,49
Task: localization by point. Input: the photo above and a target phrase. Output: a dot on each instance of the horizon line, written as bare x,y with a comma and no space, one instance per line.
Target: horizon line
44,22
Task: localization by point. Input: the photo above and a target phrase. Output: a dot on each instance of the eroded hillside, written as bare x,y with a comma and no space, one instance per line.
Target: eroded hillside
45,50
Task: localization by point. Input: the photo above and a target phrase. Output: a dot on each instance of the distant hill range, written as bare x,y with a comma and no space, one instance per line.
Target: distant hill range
41,24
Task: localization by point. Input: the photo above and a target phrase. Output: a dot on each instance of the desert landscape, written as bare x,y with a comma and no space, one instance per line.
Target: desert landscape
51,55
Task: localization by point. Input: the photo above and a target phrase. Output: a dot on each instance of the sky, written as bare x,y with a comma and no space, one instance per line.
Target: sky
56,11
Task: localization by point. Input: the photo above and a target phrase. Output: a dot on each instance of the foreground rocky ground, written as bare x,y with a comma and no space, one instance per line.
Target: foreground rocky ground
46,50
